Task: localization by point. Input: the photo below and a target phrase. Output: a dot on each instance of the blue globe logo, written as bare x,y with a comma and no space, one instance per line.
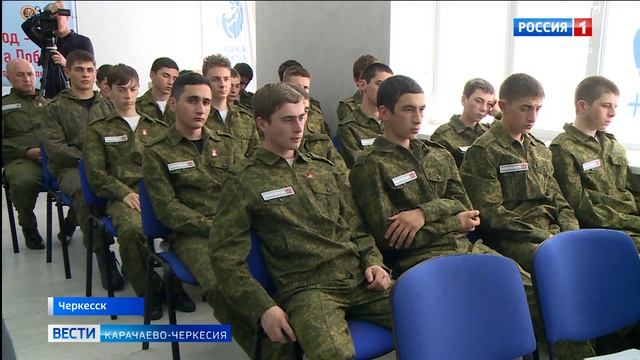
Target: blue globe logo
232,18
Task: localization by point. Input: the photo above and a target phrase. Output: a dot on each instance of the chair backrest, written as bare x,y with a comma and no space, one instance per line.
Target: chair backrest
588,283
151,225
46,175
336,142
90,197
462,307
257,266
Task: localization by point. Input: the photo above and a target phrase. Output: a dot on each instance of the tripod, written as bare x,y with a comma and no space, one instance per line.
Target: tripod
53,79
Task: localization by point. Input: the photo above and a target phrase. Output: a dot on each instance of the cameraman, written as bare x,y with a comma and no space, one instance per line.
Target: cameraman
67,40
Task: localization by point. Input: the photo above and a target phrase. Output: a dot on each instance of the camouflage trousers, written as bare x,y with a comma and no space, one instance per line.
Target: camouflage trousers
25,183
133,247
317,315
69,181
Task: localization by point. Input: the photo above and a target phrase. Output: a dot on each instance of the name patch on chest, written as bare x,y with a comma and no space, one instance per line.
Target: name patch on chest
591,164
509,168
11,106
367,142
278,193
181,165
404,178
115,139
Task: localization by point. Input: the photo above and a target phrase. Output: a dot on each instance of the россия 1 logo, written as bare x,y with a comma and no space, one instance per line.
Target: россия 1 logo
552,27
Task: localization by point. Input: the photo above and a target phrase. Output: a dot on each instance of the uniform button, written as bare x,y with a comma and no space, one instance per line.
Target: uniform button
328,188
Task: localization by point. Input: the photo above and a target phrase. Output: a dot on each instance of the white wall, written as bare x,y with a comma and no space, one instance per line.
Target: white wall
326,37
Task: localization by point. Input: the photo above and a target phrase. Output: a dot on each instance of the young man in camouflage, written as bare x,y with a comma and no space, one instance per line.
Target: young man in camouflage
321,261
184,170
22,167
234,89
113,162
225,117
348,105
358,130
164,73
591,166
66,119
508,175
315,120
462,130
246,75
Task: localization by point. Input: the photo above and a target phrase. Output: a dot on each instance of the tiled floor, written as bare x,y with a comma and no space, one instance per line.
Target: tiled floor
27,282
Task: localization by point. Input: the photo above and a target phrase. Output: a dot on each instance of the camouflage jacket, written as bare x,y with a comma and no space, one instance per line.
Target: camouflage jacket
184,184
311,232
65,121
20,124
113,153
594,178
456,137
146,105
246,100
239,123
321,145
356,133
388,179
512,185
348,105
315,121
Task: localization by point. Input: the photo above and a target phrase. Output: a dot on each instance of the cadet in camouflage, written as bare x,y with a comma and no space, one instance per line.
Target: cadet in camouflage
591,167
321,261
21,110
348,105
358,131
164,72
113,161
508,175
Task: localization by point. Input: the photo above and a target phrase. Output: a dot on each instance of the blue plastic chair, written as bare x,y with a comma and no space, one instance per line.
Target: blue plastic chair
336,142
467,306
587,283
369,340
171,264
61,199
97,219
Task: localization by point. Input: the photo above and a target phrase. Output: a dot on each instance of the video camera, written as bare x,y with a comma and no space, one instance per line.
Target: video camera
46,24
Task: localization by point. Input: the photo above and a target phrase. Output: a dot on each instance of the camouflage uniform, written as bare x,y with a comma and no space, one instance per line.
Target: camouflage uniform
357,133
321,145
348,105
66,119
184,186
315,120
456,137
313,245
512,185
246,100
113,159
146,105
593,176
436,190
20,127
239,123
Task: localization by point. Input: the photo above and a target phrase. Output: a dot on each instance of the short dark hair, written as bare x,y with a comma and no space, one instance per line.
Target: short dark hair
361,63
285,65
593,87
215,60
301,90
518,86
77,56
295,71
393,88
191,78
269,98
102,72
121,74
374,69
235,74
474,84
163,62
244,70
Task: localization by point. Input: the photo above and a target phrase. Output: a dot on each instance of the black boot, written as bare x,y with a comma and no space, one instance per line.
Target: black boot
117,283
32,239
183,302
68,228
156,312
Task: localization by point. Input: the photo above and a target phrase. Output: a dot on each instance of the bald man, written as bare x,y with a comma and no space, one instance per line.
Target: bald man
20,147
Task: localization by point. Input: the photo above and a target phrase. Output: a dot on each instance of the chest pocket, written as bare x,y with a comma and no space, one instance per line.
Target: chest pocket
405,194
438,176
186,177
618,172
514,185
326,195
